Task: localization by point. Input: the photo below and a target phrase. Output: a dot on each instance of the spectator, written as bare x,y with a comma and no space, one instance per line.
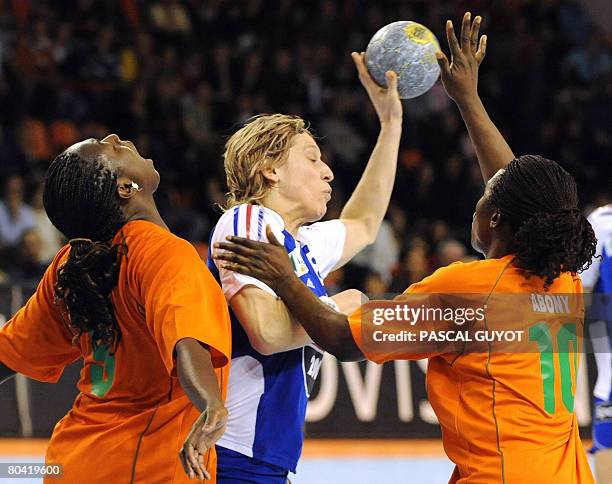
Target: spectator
16,217
24,260
374,285
449,251
50,238
413,267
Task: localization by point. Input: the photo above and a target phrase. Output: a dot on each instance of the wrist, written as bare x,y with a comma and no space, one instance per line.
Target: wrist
469,102
214,402
285,285
392,126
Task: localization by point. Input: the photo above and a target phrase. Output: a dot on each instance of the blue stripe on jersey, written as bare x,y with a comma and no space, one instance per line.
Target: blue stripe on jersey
318,289
236,212
259,223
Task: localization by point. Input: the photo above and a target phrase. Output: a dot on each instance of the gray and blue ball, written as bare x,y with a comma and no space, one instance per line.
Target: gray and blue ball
409,49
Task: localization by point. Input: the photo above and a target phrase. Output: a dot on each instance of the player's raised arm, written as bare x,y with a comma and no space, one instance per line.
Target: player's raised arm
460,80
366,208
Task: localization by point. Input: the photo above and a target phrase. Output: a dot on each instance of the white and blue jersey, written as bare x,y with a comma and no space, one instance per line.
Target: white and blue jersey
267,395
598,277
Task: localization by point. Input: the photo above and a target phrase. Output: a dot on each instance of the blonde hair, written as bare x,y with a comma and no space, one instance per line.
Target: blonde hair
262,143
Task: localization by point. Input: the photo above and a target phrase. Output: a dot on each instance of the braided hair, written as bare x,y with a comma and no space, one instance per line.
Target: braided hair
80,199
550,235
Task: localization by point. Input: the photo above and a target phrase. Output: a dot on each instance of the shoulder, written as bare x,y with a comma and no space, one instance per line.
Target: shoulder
601,212
153,243
60,257
248,220
326,241
463,276
322,229
601,220
443,278
50,276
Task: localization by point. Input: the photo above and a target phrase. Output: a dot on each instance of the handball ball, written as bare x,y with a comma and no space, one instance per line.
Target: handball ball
409,49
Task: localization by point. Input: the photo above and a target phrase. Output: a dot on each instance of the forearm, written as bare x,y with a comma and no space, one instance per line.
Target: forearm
267,321
5,373
279,331
196,373
491,148
328,328
370,198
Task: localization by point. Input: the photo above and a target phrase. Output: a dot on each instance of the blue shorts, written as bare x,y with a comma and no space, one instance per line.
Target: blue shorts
602,425
234,468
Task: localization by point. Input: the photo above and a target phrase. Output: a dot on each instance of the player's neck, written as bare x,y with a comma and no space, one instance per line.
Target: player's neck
292,214
292,221
146,210
499,248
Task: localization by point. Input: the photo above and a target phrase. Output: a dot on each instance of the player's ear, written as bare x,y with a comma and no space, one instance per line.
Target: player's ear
271,175
127,188
495,219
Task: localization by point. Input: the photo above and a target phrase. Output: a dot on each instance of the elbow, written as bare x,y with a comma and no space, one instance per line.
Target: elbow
265,342
263,347
369,239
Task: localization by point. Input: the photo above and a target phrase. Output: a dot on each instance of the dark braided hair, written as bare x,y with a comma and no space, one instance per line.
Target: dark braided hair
550,235
80,199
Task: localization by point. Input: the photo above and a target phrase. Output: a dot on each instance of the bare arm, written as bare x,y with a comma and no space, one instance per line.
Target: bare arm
366,208
196,374
267,321
197,377
460,79
5,373
328,328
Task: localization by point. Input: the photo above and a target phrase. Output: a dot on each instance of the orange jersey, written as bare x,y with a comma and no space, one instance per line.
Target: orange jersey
131,417
505,417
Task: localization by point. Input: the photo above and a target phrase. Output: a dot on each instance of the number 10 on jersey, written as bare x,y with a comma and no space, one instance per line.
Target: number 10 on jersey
540,333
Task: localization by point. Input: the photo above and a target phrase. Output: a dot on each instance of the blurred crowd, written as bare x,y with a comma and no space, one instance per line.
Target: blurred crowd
178,77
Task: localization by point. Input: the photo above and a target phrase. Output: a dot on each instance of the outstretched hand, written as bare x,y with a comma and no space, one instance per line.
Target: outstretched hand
386,102
267,262
460,76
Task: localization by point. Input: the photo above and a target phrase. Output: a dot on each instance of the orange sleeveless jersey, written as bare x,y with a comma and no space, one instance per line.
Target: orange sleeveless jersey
131,417
496,425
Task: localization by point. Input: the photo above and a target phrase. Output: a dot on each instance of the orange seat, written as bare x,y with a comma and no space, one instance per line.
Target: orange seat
35,139
63,134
